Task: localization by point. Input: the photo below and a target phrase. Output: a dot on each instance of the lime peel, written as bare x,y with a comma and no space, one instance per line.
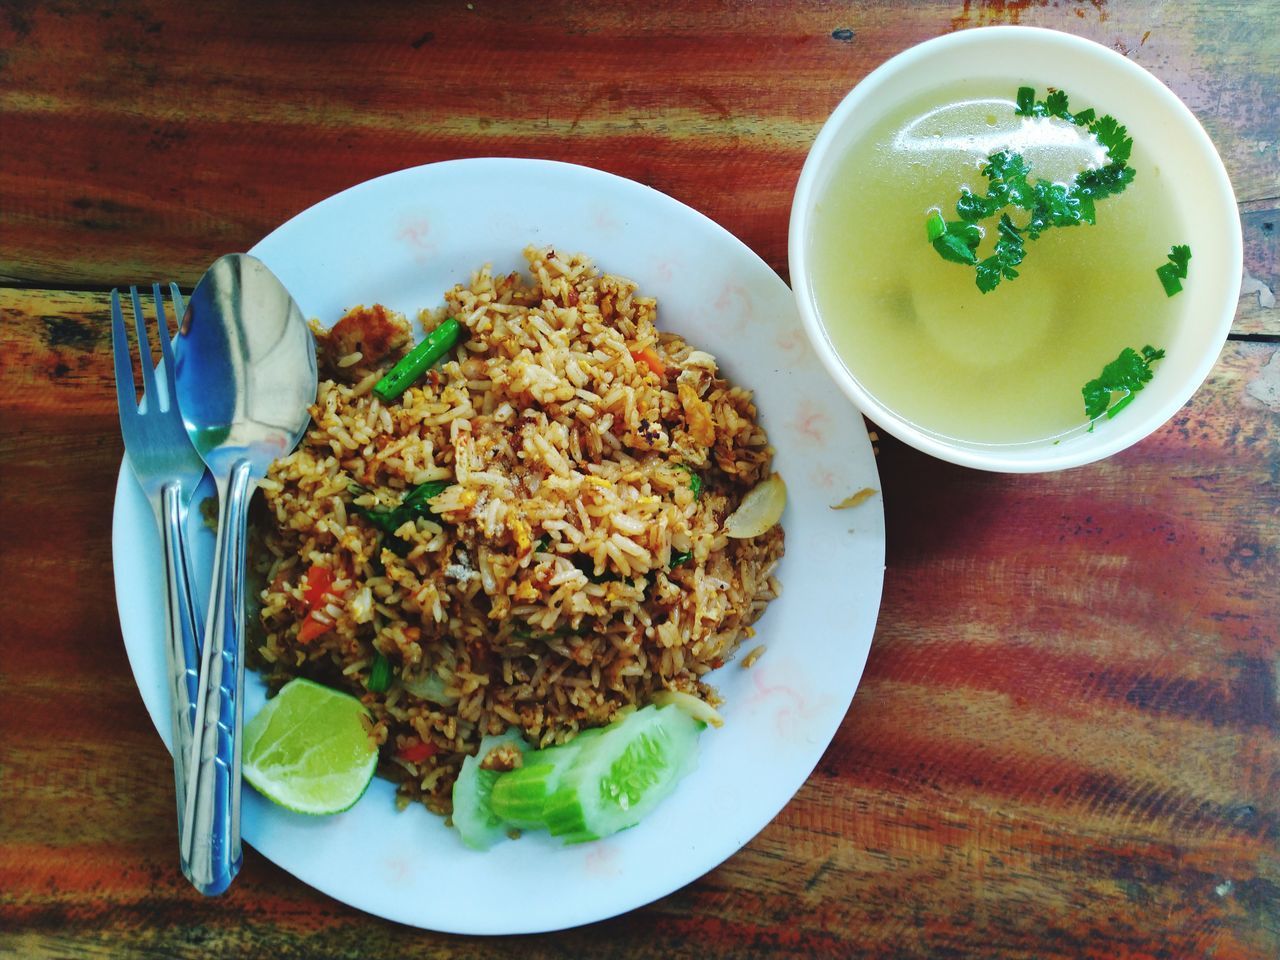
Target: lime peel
309,749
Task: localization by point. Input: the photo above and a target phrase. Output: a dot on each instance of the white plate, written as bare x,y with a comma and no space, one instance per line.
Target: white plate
402,240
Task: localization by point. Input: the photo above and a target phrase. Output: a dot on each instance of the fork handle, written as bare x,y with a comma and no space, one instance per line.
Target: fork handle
210,838
181,634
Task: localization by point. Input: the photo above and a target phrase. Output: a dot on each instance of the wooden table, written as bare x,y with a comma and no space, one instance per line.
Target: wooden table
1067,740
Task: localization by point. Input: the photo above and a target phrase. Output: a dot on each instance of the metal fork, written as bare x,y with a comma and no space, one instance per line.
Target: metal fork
168,470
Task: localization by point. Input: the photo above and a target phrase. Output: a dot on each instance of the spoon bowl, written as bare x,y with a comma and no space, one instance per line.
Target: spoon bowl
247,369
246,377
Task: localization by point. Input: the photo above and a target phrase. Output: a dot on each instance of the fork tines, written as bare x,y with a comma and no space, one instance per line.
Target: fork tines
126,387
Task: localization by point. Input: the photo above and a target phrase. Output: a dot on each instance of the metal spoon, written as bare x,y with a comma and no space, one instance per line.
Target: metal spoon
246,374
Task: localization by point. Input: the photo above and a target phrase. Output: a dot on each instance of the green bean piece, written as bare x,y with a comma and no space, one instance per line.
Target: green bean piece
380,675
418,360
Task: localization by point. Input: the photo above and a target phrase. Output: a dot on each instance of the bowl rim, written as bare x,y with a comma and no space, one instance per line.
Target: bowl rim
1013,458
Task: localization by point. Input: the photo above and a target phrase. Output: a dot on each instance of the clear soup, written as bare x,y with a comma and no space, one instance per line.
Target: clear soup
1007,366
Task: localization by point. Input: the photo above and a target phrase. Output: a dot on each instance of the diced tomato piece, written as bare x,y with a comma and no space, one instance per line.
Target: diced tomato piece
650,359
312,628
319,585
417,752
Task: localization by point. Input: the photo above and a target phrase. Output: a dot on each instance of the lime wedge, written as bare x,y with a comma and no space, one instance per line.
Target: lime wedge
309,749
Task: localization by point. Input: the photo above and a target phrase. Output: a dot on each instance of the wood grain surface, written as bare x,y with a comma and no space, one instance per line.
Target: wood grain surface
1067,740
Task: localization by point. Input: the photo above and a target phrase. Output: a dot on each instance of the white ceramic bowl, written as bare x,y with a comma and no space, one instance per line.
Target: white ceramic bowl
1096,76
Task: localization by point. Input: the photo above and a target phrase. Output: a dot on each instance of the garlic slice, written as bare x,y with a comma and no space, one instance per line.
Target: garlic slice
760,509
698,709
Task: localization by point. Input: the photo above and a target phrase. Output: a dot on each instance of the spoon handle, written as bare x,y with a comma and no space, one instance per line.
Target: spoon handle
210,839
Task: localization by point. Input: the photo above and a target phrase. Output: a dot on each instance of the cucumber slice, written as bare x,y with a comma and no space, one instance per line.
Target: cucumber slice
520,797
478,825
619,777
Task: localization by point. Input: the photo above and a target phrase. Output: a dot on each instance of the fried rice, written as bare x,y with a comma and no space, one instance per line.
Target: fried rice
575,564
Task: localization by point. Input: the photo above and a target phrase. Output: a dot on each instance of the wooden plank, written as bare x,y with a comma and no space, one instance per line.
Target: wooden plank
1257,313
57,350
152,162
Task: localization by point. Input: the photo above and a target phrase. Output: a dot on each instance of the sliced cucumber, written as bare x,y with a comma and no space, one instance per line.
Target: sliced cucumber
619,777
604,780
473,815
520,797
